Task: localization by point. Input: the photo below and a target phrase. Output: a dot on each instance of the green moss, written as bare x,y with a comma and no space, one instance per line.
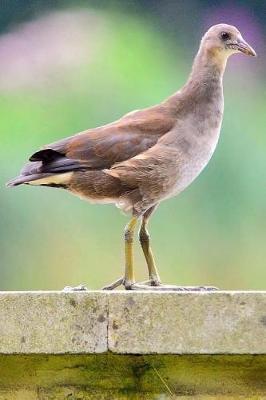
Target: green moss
106,376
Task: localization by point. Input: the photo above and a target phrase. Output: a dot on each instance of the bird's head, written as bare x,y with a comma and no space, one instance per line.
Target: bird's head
223,40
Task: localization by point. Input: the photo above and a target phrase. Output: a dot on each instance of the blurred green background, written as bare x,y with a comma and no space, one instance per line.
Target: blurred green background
69,65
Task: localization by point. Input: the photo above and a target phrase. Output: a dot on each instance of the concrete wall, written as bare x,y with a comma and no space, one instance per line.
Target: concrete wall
132,345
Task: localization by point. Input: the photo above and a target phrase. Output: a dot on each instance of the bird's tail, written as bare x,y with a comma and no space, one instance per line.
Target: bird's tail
46,168
26,179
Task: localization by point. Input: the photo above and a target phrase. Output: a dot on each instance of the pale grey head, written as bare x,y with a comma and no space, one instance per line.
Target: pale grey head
223,40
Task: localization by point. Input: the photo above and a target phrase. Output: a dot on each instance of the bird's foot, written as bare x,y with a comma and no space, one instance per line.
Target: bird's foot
161,287
79,288
154,284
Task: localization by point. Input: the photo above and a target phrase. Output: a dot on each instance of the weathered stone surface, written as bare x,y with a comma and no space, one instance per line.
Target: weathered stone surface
187,323
133,322
53,322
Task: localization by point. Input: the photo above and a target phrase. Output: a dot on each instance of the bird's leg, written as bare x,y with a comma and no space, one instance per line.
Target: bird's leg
144,238
154,282
128,280
129,239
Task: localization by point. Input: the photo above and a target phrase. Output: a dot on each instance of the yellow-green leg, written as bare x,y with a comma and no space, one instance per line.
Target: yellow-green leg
144,238
154,282
129,279
129,240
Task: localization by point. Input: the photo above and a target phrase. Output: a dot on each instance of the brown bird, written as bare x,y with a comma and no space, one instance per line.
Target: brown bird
148,155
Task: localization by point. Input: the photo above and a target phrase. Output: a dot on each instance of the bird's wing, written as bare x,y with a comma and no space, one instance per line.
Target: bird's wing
103,147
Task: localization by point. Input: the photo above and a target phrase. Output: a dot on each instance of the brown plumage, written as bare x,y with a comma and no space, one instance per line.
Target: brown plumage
147,155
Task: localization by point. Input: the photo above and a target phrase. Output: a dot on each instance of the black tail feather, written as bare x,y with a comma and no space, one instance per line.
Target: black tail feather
45,155
45,163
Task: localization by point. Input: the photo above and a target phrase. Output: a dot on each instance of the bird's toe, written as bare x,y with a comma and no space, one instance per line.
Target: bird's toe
114,284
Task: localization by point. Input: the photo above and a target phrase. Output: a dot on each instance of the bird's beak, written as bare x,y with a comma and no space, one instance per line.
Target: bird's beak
245,48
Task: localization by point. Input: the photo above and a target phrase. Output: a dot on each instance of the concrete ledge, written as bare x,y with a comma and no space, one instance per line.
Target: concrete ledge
132,345
132,323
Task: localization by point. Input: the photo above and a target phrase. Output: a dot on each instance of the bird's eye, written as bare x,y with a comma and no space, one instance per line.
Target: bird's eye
225,36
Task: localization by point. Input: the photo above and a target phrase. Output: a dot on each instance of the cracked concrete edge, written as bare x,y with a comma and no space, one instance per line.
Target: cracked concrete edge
133,322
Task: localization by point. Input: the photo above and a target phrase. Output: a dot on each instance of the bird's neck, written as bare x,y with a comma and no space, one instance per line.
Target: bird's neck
204,83
208,67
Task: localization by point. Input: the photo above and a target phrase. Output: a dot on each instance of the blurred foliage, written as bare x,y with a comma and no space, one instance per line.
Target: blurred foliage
212,234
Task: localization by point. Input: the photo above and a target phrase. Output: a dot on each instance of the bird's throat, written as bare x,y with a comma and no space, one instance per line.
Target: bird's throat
208,65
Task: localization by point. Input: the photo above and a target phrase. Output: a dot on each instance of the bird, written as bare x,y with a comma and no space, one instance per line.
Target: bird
148,155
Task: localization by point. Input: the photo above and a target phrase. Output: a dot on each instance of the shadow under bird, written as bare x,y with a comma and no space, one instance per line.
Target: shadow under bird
148,155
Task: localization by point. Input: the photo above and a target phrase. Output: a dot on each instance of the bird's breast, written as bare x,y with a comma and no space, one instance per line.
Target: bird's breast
196,138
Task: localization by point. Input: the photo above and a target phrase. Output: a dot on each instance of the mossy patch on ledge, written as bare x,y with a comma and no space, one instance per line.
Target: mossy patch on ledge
110,376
